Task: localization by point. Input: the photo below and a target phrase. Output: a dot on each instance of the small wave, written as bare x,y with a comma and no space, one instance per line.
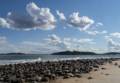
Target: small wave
39,59
5,62
77,58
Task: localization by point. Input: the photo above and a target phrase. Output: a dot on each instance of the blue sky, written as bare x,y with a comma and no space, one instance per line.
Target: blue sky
46,26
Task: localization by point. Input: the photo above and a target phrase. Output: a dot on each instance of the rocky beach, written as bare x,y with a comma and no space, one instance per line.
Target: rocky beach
52,71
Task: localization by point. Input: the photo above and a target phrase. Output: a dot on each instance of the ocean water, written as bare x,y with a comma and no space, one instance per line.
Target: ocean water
13,59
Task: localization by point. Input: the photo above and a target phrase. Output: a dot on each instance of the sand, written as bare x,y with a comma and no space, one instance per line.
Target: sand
111,74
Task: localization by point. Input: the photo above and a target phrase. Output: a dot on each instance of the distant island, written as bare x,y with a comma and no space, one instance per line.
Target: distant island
112,53
13,54
74,53
83,53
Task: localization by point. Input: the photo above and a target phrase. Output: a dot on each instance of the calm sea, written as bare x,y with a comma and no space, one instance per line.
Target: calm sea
12,59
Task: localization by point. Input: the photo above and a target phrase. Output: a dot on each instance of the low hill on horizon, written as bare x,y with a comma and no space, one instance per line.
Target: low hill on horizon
83,53
74,53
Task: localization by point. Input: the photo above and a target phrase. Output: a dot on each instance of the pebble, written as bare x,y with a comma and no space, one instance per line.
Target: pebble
90,78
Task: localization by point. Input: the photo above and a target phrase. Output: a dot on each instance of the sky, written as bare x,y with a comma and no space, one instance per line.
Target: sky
47,26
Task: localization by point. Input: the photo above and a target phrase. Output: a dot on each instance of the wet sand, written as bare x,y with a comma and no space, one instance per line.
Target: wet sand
108,73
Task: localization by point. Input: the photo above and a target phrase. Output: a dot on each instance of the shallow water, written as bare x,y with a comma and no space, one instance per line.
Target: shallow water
12,59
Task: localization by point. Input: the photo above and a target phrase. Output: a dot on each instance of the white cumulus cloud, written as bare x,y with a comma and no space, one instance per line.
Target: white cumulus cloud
53,39
115,34
37,18
61,15
4,23
76,20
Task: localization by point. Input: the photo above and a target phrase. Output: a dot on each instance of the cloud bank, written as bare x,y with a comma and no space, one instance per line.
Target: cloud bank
42,18
113,41
69,43
37,18
76,21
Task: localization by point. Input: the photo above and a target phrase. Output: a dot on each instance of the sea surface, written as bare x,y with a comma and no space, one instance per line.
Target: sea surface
13,59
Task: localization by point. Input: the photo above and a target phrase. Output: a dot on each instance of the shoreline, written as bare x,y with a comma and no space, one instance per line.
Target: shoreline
108,73
13,62
51,72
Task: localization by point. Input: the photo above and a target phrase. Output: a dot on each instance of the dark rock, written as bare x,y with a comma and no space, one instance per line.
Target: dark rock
44,79
107,74
78,75
66,76
38,78
119,66
46,71
70,75
116,64
95,69
103,68
90,78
